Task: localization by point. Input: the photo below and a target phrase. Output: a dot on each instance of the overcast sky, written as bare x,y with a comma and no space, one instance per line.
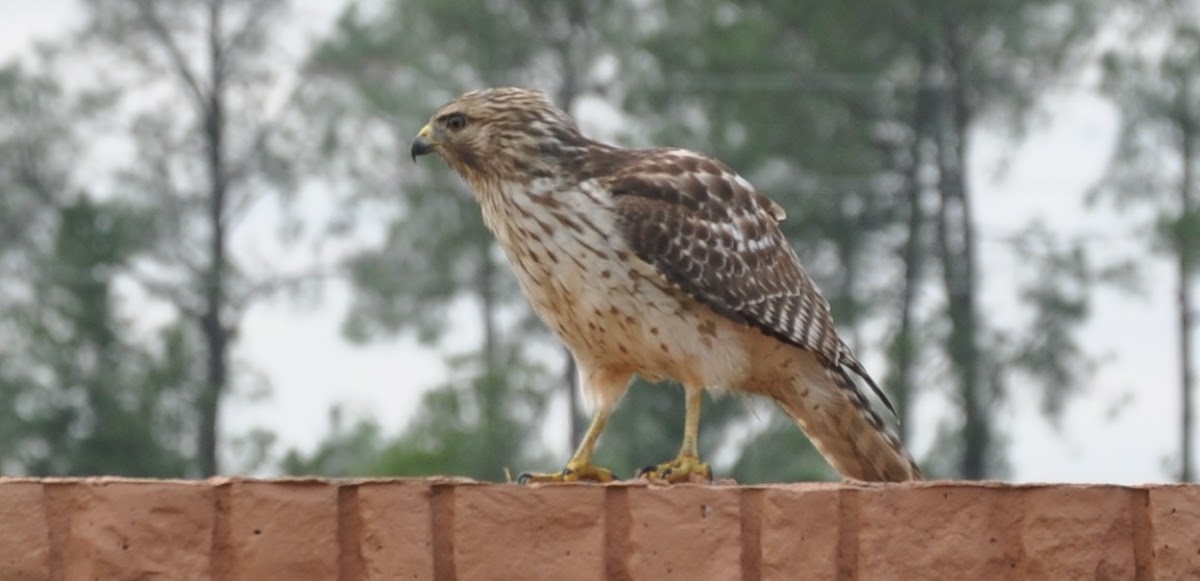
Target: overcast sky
298,348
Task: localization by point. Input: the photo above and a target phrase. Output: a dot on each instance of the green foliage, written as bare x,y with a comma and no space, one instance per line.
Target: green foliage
1155,94
346,450
478,424
779,452
195,87
1159,100
1154,173
35,145
86,403
78,393
1058,291
647,428
377,67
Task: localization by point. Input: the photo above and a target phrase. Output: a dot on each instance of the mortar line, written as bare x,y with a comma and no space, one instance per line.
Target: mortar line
349,534
1142,535
220,556
617,523
847,534
442,514
58,508
750,502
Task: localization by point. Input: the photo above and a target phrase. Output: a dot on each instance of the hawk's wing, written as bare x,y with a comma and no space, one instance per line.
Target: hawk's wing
709,232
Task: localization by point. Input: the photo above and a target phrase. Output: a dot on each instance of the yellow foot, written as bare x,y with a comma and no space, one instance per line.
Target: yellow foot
572,473
681,469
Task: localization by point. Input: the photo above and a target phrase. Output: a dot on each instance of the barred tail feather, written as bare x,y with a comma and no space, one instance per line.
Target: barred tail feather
837,417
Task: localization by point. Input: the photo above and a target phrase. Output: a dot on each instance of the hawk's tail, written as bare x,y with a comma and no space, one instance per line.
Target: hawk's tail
839,420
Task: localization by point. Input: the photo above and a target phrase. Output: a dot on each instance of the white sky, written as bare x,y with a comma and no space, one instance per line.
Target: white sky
299,349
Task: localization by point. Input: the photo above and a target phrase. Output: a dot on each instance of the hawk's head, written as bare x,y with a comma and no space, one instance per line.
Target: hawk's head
503,134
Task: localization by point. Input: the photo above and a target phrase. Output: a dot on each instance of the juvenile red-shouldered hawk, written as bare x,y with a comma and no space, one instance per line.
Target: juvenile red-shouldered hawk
662,263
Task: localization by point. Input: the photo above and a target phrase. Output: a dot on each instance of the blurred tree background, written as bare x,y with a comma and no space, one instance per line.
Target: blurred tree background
126,287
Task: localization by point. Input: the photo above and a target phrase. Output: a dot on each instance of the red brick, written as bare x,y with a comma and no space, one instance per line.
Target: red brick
282,530
419,530
1175,521
25,547
139,530
684,532
529,533
938,531
799,538
396,540
1078,532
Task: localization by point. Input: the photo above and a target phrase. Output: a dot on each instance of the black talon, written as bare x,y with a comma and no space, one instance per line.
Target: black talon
524,478
646,470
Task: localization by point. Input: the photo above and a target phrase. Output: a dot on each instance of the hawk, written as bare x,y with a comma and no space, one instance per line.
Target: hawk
660,263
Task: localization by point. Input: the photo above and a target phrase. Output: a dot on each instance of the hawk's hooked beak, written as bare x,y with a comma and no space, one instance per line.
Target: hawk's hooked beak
424,142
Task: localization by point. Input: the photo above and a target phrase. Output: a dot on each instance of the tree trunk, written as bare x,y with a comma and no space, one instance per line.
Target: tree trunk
849,252
1188,125
487,307
575,420
956,238
216,333
490,391
493,375
568,92
905,346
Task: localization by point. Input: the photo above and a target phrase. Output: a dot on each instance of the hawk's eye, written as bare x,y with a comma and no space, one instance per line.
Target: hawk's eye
456,121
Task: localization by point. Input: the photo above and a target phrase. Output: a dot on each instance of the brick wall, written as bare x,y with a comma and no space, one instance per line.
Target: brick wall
111,529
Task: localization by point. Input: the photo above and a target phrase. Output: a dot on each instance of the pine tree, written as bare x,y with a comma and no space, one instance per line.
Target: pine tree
1154,167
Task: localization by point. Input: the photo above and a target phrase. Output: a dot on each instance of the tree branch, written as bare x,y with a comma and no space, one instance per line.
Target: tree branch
151,19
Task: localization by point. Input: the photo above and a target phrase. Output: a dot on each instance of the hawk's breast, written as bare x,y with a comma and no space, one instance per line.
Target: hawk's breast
610,307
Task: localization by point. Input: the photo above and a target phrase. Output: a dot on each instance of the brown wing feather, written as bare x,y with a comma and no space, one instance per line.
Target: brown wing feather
716,238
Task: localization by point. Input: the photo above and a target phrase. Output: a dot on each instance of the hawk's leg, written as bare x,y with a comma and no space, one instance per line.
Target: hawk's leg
687,467
580,466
